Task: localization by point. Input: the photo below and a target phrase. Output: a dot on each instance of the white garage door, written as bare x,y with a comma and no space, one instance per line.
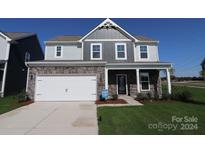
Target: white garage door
65,88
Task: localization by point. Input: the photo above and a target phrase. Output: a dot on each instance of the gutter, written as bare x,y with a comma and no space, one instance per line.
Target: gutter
58,63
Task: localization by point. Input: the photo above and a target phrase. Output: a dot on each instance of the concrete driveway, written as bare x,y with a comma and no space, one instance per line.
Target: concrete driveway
51,118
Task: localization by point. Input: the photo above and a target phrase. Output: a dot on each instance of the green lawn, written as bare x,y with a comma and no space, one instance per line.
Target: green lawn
190,83
9,103
138,119
198,93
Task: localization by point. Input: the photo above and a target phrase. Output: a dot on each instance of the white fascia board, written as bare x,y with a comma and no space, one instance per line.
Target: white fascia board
7,38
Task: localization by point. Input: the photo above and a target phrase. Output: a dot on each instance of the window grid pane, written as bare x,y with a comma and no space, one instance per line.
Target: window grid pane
96,54
121,54
58,53
143,48
58,48
96,47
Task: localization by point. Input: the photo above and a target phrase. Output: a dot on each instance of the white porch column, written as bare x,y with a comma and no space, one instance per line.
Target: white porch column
169,81
138,79
106,78
4,79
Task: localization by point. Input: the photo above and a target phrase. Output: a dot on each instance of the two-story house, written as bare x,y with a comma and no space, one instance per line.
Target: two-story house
78,68
16,48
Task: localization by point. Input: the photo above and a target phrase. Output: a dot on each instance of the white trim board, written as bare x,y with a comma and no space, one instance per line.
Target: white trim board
91,51
116,51
106,40
148,56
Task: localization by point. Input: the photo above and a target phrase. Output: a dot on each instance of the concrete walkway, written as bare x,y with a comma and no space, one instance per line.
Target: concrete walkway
51,118
130,100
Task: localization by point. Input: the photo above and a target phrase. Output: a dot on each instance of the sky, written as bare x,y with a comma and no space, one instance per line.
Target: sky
182,41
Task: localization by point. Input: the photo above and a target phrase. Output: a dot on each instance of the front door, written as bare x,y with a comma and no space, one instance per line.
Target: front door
121,84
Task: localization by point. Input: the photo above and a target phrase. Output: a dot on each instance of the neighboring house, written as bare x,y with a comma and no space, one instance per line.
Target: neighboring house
16,49
78,68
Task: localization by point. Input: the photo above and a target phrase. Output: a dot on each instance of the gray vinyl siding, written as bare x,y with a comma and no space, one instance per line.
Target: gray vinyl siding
3,48
70,52
106,34
108,51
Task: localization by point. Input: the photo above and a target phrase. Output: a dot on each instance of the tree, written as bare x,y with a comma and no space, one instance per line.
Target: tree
202,74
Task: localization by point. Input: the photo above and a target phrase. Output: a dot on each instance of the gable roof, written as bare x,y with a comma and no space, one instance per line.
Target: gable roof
108,22
13,36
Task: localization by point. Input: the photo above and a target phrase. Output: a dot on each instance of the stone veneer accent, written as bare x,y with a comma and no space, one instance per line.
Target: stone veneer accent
65,70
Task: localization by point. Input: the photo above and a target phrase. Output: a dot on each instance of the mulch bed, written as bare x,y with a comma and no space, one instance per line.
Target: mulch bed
25,102
110,101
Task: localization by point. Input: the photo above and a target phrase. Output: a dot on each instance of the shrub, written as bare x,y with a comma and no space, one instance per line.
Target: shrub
149,95
156,96
143,96
182,95
114,97
185,96
166,96
22,96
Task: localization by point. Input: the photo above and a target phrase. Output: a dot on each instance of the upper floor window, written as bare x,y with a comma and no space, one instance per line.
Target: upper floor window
27,56
145,82
58,53
143,52
96,51
120,51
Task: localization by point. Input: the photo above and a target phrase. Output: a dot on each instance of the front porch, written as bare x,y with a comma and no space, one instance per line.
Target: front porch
126,79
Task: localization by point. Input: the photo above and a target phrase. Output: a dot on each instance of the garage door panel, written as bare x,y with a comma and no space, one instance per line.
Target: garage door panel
65,88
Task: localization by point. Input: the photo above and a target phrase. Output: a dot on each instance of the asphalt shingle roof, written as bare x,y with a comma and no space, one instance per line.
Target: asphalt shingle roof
17,35
77,38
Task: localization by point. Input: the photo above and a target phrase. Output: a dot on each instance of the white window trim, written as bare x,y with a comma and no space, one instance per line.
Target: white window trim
91,51
116,55
140,53
145,74
61,51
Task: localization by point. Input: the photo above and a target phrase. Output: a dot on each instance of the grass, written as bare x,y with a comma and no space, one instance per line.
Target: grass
9,103
135,120
190,83
197,93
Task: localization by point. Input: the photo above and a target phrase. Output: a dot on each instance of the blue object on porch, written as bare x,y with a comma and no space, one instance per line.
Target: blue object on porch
104,94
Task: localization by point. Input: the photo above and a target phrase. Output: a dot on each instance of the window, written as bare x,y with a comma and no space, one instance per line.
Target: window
27,56
144,80
96,51
58,53
120,51
143,52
